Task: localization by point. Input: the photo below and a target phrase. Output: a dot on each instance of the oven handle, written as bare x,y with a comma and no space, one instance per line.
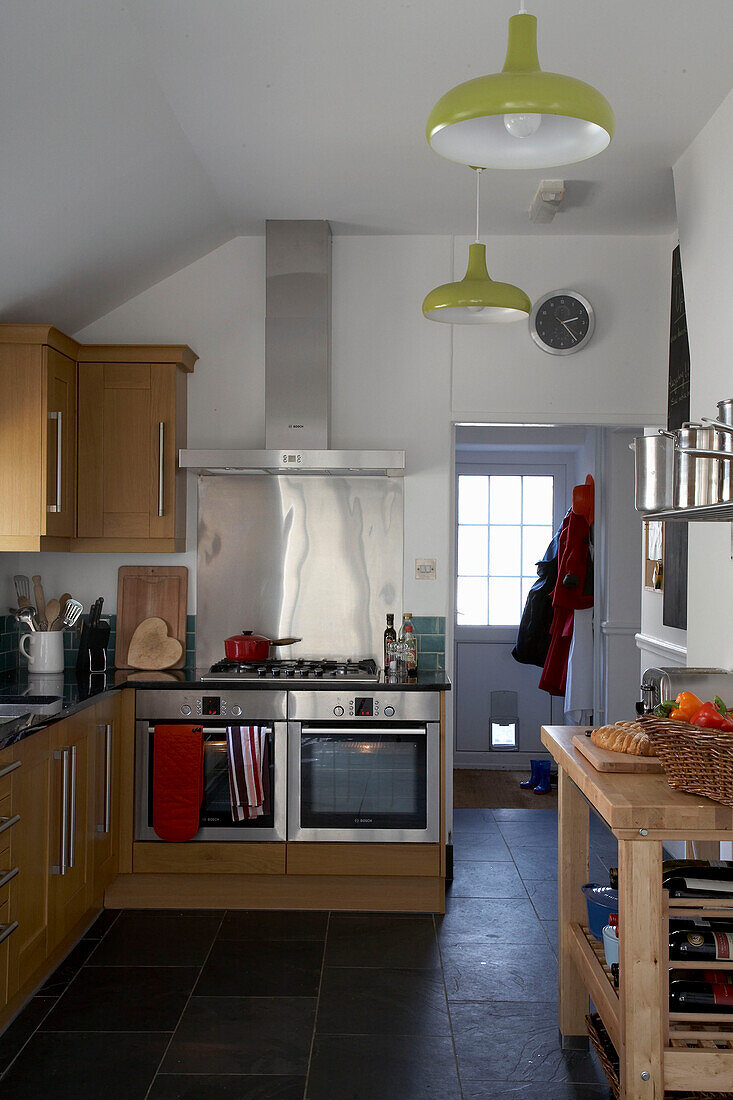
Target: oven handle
222,729
420,731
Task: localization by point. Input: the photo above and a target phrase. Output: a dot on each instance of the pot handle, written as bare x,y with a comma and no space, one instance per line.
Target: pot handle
664,431
718,424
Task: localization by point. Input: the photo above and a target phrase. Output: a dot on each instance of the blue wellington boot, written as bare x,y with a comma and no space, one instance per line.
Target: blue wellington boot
543,775
534,777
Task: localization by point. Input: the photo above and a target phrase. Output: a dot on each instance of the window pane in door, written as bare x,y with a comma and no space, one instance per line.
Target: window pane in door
505,595
472,601
504,551
473,551
473,498
535,541
537,500
527,583
505,499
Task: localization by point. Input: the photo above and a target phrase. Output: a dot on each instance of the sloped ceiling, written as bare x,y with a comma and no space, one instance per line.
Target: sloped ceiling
137,136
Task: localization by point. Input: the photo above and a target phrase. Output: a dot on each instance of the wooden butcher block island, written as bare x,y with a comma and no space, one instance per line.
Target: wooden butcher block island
658,1050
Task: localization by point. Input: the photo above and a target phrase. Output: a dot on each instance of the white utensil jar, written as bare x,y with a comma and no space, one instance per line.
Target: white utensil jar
44,650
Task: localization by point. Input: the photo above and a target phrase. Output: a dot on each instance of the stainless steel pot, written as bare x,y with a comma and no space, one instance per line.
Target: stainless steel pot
654,471
696,478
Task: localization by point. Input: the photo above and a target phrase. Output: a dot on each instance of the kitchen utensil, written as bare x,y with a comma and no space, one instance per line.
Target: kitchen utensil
144,592
151,646
696,480
253,647
724,443
63,600
53,610
72,611
654,466
610,944
22,589
25,615
92,653
96,611
600,902
44,650
40,602
603,760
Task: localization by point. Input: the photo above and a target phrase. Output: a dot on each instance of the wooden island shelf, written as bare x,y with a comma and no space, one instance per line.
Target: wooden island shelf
658,1050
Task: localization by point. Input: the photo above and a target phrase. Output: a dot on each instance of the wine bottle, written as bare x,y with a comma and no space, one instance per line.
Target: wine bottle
408,638
615,972
671,866
700,882
701,997
390,635
701,944
713,977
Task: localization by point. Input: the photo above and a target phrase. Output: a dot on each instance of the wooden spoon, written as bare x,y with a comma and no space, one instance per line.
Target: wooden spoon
40,602
53,610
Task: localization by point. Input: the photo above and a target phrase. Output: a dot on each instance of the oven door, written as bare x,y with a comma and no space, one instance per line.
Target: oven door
364,782
215,816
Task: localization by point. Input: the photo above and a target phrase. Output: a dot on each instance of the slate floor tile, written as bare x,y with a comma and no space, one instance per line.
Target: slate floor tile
55,985
486,846
479,879
102,924
19,1032
537,834
543,895
379,1067
130,998
498,1090
71,1065
367,1001
197,1086
381,940
250,1035
141,937
519,1041
474,821
539,813
535,863
476,920
269,968
499,972
551,931
267,924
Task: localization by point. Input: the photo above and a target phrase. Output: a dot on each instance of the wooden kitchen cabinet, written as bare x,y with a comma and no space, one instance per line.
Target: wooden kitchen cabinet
104,797
132,422
71,864
37,438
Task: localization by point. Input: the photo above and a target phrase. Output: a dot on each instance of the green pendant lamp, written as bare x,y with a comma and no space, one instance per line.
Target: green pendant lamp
521,117
476,299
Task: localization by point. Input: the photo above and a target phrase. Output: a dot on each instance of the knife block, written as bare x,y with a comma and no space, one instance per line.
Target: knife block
92,656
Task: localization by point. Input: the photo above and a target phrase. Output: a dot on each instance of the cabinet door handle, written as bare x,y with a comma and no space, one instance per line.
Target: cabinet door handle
107,820
8,822
9,768
6,876
161,445
58,417
72,808
7,930
60,868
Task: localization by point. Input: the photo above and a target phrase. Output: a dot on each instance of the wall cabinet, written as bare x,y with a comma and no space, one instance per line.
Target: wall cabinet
89,440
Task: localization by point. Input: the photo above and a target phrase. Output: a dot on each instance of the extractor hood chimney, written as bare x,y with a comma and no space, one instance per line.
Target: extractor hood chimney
297,367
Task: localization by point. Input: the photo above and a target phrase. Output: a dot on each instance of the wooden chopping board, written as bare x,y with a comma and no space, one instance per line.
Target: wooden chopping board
604,760
150,591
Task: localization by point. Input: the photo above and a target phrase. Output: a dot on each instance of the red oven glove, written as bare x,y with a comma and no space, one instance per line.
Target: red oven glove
178,777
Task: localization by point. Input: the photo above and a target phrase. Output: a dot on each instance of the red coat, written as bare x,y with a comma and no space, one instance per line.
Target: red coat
573,565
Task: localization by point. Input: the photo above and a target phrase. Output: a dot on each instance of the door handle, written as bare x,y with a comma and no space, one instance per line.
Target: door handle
6,876
8,822
7,930
72,807
58,417
161,442
107,818
60,868
10,768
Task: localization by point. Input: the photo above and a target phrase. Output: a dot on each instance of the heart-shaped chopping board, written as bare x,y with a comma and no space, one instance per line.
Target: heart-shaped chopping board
151,647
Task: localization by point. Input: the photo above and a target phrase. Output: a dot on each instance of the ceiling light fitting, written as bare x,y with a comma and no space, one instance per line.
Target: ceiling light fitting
521,117
476,299
547,201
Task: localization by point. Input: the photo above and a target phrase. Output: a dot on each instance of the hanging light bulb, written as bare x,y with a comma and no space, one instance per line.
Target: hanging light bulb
477,298
521,117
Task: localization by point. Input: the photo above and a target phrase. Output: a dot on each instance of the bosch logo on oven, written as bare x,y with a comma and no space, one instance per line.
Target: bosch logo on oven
363,820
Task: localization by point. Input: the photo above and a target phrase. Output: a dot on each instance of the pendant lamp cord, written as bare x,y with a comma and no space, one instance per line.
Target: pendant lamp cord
522,10
478,172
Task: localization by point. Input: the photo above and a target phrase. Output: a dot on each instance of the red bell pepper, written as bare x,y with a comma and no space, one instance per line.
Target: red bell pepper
709,717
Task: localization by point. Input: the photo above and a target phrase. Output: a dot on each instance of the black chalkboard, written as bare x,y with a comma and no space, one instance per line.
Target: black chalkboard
678,412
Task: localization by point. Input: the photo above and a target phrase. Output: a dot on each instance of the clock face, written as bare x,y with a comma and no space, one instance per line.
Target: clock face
562,322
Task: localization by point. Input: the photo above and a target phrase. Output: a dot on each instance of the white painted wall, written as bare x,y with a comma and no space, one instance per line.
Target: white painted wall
702,185
397,379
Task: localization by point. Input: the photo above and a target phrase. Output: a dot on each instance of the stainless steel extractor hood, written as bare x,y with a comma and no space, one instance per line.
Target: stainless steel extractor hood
297,368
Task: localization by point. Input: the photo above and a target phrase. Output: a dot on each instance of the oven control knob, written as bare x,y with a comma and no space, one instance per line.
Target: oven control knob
388,712
185,709
236,711
338,711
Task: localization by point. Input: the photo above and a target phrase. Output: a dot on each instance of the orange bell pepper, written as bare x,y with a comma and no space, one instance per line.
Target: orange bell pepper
687,705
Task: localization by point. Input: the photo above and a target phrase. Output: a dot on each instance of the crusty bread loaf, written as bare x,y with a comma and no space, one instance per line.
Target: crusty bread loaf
623,737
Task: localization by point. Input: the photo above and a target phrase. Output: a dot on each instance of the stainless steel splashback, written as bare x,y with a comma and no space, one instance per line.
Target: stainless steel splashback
319,558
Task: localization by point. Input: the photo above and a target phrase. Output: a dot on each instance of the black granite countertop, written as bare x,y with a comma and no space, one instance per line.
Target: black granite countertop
75,693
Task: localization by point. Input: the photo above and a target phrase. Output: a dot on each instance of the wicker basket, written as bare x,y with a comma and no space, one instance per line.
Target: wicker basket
696,760
608,1058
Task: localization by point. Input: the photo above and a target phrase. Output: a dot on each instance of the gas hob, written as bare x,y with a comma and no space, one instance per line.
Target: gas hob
324,671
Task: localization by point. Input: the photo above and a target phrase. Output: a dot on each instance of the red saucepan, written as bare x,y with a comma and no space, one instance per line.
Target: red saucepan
252,647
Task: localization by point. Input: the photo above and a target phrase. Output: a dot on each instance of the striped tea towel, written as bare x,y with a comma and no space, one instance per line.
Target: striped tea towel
246,749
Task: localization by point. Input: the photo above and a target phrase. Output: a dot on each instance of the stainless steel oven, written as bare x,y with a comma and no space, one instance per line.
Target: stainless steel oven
214,710
364,765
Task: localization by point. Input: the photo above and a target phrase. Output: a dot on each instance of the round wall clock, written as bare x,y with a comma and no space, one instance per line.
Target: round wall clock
561,322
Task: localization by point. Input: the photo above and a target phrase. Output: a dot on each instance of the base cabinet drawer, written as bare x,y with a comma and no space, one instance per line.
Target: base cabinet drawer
363,859
209,857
